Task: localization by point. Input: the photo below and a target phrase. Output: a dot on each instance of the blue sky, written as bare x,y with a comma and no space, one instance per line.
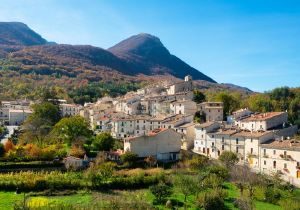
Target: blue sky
251,43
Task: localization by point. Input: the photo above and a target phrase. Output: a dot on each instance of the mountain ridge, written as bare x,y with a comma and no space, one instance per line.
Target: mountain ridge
17,33
137,58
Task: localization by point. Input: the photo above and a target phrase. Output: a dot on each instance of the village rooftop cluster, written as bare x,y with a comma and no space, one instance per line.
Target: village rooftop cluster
158,121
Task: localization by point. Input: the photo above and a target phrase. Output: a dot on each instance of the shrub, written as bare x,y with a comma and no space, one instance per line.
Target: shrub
151,161
213,181
77,151
290,204
243,204
161,192
220,171
129,157
212,200
272,195
198,162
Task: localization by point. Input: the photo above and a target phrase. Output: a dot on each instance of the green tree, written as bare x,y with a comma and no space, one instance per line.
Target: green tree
103,142
70,129
186,184
46,111
161,191
230,102
229,158
260,103
129,157
199,97
39,123
294,111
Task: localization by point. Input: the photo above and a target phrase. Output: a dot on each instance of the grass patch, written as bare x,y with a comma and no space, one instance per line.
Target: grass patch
7,199
266,206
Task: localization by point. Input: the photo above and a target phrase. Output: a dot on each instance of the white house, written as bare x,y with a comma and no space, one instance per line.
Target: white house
69,109
201,135
183,107
263,121
283,157
163,144
213,110
18,116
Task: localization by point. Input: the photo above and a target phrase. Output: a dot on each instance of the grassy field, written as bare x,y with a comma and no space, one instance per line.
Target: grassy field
7,199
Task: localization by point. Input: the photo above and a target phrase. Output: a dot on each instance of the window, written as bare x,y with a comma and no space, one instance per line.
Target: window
274,164
251,140
265,162
201,142
237,141
212,144
237,150
285,166
274,152
218,110
201,136
213,136
251,151
284,153
223,139
222,147
265,152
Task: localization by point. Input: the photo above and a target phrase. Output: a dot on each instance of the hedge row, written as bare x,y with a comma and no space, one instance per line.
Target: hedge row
32,164
71,181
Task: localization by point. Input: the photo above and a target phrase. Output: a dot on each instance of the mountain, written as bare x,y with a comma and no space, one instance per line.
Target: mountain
16,33
146,53
27,59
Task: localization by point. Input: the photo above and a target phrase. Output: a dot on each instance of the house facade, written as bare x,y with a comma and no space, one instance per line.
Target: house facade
163,144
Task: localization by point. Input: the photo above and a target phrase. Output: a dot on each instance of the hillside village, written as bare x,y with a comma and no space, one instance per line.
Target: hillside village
158,121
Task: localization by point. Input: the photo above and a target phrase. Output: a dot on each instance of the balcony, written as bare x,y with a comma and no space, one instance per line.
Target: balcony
266,156
286,170
286,157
